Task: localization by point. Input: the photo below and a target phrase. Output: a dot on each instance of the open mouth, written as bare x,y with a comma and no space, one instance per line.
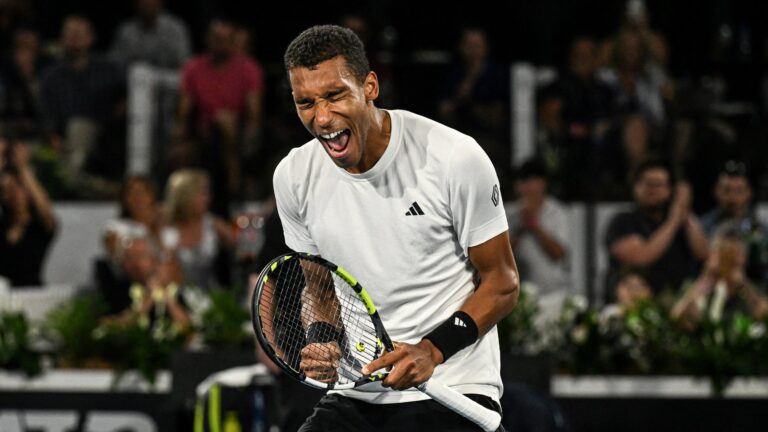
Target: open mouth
336,142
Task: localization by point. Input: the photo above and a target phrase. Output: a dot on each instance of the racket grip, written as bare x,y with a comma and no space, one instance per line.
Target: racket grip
487,419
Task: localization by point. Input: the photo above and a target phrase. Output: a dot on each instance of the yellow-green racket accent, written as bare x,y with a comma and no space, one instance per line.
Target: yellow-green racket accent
346,276
363,294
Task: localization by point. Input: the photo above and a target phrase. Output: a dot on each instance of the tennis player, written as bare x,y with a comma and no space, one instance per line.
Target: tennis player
413,209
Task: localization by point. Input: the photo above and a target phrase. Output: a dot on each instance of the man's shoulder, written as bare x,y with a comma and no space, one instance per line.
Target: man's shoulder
300,162
440,141
414,124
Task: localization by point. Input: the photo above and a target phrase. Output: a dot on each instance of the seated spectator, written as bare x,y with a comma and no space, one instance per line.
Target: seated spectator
192,233
150,286
539,231
20,81
733,194
27,222
475,95
723,287
154,37
660,235
139,215
637,82
82,97
226,89
631,289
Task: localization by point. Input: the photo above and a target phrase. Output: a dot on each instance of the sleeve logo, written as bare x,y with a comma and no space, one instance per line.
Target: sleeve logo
495,195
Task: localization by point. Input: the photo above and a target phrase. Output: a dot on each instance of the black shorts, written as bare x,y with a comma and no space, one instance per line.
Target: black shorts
336,413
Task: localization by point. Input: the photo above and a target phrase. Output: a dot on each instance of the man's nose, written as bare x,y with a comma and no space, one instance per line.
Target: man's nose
323,114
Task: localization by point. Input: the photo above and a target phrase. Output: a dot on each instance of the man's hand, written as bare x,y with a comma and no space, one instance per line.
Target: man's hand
409,365
319,361
681,203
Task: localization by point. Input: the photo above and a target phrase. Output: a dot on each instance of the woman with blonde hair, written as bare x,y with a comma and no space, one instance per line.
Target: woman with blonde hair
192,233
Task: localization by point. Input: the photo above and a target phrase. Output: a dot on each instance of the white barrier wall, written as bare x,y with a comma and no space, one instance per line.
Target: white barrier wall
78,241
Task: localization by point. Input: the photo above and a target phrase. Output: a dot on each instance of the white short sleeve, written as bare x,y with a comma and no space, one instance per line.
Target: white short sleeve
475,198
295,229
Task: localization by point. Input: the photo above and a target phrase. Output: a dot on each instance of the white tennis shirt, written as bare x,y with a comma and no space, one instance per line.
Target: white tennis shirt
403,229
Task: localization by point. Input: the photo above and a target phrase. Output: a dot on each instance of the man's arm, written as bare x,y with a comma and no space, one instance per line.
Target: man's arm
493,299
697,240
37,193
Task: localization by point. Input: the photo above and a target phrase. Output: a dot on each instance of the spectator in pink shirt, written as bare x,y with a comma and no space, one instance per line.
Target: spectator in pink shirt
225,88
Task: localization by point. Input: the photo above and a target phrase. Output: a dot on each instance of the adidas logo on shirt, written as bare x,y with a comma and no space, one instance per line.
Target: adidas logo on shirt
459,323
415,210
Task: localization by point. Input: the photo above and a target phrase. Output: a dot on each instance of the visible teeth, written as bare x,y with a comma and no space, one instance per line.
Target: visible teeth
331,136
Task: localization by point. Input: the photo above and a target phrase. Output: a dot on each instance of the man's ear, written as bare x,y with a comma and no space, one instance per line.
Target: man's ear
371,86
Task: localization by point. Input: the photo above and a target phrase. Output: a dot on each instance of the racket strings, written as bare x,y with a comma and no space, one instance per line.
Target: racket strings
301,294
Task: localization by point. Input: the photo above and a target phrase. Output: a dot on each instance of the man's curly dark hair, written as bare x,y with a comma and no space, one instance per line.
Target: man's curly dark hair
324,42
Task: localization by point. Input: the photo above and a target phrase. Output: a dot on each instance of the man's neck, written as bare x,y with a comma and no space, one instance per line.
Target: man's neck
378,138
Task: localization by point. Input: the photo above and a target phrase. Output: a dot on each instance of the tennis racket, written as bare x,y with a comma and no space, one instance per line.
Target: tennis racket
318,324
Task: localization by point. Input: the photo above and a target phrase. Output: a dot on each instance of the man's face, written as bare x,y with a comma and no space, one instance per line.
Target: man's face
534,188
733,194
473,47
632,289
583,58
77,36
652,190
335,108
221,39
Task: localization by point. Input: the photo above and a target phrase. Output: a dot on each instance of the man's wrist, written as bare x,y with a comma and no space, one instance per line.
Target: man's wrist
456,333
435,354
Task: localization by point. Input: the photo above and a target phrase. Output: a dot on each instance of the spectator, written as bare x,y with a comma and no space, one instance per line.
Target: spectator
154,37
82,97
150,286
139,215
637,82
723,287
660,235
226,88
193,234
539,231
27,222
733,194
475,97
20,79
631,289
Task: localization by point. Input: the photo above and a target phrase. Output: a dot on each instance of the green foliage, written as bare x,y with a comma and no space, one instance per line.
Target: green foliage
224,321
644,340
70,326
15,350
134,346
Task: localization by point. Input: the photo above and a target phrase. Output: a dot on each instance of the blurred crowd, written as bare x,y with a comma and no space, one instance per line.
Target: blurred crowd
612,124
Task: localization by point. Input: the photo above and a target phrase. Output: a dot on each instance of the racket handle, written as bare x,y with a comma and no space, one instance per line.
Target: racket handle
487,419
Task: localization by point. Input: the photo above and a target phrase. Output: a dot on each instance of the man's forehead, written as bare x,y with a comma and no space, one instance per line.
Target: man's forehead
320,77
733,180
